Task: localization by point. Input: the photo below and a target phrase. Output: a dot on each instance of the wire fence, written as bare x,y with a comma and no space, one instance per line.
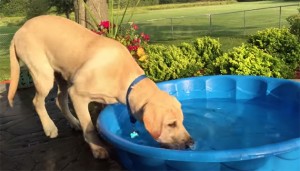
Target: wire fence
231,24
5,38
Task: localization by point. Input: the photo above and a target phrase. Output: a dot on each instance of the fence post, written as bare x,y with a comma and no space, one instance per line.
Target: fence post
244,22
279,17
210,24
172,28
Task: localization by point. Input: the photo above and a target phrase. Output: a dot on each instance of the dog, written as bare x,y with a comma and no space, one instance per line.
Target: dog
88,67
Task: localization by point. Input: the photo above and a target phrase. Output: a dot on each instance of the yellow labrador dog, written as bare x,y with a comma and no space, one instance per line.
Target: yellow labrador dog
90,67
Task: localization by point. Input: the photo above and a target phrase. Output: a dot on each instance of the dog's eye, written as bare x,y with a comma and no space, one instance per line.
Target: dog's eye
173,124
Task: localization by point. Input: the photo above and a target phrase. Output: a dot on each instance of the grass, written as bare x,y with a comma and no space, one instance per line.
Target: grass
10,21
6,34
172,24
195,11
215,20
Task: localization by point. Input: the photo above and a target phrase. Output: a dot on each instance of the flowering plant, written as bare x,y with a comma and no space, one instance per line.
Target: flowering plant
128,36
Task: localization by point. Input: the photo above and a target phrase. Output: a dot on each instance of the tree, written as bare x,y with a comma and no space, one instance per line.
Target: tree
37,7
88,12
14,8
63,6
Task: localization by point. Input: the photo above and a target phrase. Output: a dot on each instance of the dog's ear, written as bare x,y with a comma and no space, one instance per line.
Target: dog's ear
152,122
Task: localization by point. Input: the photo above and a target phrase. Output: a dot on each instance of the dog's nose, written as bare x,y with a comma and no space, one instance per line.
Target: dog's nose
189,143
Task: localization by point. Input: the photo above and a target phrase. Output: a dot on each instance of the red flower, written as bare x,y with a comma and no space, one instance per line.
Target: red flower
132,48
136,41
146,37
105,24
135,27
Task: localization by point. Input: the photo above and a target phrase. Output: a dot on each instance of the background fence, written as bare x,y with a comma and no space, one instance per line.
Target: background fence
4,38
231,24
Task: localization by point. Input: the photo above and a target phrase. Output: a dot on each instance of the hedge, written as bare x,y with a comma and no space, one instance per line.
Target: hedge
167,62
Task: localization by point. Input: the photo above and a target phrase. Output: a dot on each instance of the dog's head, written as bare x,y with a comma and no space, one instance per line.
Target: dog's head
163,119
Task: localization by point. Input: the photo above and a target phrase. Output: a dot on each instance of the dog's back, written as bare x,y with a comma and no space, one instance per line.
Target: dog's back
58,37
48,44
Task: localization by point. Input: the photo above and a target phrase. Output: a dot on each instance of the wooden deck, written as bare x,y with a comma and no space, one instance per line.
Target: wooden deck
24,146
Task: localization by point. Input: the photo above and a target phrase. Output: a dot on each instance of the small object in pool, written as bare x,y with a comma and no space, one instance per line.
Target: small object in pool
134,134
192,146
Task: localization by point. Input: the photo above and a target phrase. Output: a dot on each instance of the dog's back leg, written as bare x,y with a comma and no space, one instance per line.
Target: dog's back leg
62,101
43,78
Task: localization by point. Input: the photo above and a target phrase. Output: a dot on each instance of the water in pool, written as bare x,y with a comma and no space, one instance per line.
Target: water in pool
230,124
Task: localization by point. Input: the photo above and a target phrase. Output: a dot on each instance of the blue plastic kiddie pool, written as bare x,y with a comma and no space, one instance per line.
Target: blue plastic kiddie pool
240,123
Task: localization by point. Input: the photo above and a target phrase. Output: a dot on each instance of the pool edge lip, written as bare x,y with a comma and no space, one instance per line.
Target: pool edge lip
229,155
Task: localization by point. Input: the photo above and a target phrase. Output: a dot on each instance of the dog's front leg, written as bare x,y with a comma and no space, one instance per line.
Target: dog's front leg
80,103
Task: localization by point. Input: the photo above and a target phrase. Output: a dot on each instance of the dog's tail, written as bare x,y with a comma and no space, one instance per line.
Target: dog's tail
14,73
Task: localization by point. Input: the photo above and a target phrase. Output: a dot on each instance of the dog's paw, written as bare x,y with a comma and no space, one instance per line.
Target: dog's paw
100,153
50,130
75,125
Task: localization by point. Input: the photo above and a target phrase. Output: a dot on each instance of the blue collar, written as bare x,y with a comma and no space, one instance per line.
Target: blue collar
137,80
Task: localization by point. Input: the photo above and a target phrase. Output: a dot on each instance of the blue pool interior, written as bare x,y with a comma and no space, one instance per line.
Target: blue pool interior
233,120
223,124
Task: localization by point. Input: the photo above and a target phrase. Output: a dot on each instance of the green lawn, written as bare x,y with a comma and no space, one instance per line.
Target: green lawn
187,23
225,20
6,34
200,10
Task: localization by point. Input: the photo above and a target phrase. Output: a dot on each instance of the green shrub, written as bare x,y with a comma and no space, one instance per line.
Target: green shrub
208,50
132,3
167,1
167,62
37,7
170,62
13,7
294,21
279,43
182,1
148,2
249,60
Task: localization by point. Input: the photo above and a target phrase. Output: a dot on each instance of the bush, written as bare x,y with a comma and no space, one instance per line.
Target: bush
170,62
294,22
184,60
181,1
279,43
167,1
132,3
249,60
148,2
14,7
208,50
37,7
250,0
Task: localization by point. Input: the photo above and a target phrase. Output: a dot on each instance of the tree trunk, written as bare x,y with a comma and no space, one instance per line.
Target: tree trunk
67,13
76,10
97,11
79,9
